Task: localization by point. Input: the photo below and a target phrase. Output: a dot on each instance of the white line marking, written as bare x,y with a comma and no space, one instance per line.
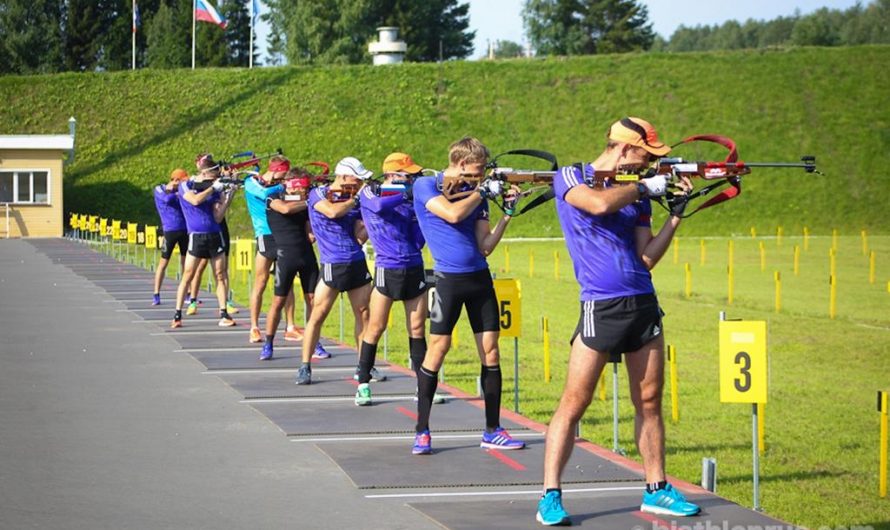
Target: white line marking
204,332
494,493
246,371
147,280
315,364
321,399
410,437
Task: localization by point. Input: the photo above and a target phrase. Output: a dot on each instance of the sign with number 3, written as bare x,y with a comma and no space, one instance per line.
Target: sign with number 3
743,362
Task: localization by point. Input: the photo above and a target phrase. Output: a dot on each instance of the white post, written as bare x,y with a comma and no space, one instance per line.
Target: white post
134,35
7,220
252,18
194,27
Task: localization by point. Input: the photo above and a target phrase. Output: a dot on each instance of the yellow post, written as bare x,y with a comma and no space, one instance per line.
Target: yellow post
454,340
603,386
753,232
832,297
555,264
806,238
834,238
531,263
871,267
676,250
507,259
796,260
761,428
701,244
545,324
832,262
882,465
864,234
779,232
730,274
778,278
762,257
688,281
675,390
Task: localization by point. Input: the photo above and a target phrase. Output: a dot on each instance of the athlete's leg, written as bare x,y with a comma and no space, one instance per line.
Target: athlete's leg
323,301
491,377
289,309
221,273
160,273
196,279
189,270
415,322
585,367
274,316
645,371
262,265
358,299
379,308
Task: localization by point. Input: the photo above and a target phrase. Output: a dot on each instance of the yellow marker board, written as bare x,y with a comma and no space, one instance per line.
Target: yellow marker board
151,237
72,221
140,235
115,229
103,226
509,296
244,254
84,222
94,223
743,364
131,233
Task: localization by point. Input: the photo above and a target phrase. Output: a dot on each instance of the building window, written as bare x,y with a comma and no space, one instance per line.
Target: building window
24,187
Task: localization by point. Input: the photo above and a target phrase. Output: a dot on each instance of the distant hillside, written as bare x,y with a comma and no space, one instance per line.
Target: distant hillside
135,127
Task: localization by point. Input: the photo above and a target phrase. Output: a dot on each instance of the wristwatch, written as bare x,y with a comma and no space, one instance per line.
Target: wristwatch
644,191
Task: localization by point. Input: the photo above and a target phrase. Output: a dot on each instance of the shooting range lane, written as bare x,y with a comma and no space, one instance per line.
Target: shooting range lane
387,486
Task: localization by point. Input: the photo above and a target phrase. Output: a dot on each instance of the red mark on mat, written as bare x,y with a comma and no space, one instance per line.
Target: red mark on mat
656,522
505,459
406,412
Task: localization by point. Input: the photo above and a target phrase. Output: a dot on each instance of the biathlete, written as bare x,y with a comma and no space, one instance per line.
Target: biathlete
609,237
173,225
459,235
289,222
339,233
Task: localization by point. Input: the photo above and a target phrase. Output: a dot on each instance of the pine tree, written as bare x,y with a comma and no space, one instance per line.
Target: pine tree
33,37
168,39
237,35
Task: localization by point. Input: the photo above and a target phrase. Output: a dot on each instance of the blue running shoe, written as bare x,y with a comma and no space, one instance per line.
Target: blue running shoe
500,439
422,443
304,375
267,352
320,352
551,512
156,299
668,501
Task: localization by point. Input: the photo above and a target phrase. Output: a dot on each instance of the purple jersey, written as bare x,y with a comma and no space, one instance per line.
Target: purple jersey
169,210
335,237
603,247
393,230
199,219
453,246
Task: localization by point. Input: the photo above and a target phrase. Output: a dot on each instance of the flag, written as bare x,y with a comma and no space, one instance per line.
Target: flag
205,12
137,19
256,10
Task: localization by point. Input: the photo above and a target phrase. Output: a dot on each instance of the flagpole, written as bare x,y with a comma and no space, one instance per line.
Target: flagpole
194,7
134,35
252,18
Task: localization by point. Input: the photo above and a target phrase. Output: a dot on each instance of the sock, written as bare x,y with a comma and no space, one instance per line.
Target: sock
417,349
652,487
192,299
426,389
177,314
549,490
308,366
223,313
270,338
366,362
491,391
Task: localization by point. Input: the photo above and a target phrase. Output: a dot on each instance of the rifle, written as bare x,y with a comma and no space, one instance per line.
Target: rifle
530,181
231,171
345,192
297,186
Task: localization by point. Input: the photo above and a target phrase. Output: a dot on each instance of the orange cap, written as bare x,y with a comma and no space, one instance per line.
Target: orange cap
400,162
179,174
640,133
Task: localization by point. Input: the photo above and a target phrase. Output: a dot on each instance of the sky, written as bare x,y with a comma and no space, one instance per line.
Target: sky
502,19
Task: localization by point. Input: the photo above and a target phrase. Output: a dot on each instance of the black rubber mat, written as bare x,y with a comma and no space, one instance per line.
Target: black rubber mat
385,416
462,463
164,312
287,355
606,510
130,302
340,384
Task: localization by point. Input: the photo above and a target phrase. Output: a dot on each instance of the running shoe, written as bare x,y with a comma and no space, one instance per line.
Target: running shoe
267,352
500,439
438,398
293,335
156,299
304,375
192,308
255,336
422,443
668,501
176,324
551,512
232,309
320,352
226,322
376,377
363,395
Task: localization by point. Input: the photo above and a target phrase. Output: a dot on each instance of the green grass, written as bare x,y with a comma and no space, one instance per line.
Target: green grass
821,461
135,127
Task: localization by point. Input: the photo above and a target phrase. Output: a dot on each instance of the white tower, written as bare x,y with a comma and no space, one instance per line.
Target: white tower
388,49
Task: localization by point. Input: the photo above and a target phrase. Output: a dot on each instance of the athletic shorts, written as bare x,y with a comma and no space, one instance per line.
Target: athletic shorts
345,276
224,230
267,248
171,240
204,245
619,325
400,284
475,290
289,264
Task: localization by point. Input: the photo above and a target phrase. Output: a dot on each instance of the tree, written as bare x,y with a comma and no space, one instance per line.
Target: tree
82,28
237,33
427,26
506,49
33,37
169,39
580,27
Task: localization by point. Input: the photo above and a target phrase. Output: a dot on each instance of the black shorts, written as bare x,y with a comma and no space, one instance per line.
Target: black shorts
171,240
267,248
453,291
345,276
619,325
400,284
224,230
289,264
204,245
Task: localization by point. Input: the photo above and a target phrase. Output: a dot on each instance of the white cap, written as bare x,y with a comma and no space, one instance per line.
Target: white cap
352,167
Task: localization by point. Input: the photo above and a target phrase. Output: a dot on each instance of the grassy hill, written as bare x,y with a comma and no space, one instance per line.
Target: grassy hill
135,127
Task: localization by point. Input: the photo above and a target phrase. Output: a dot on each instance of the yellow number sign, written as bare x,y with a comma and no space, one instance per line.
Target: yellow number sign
84,222
115,229
151,237
103,226
244,254
743,364
72,221
94,223
509,295
131,233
